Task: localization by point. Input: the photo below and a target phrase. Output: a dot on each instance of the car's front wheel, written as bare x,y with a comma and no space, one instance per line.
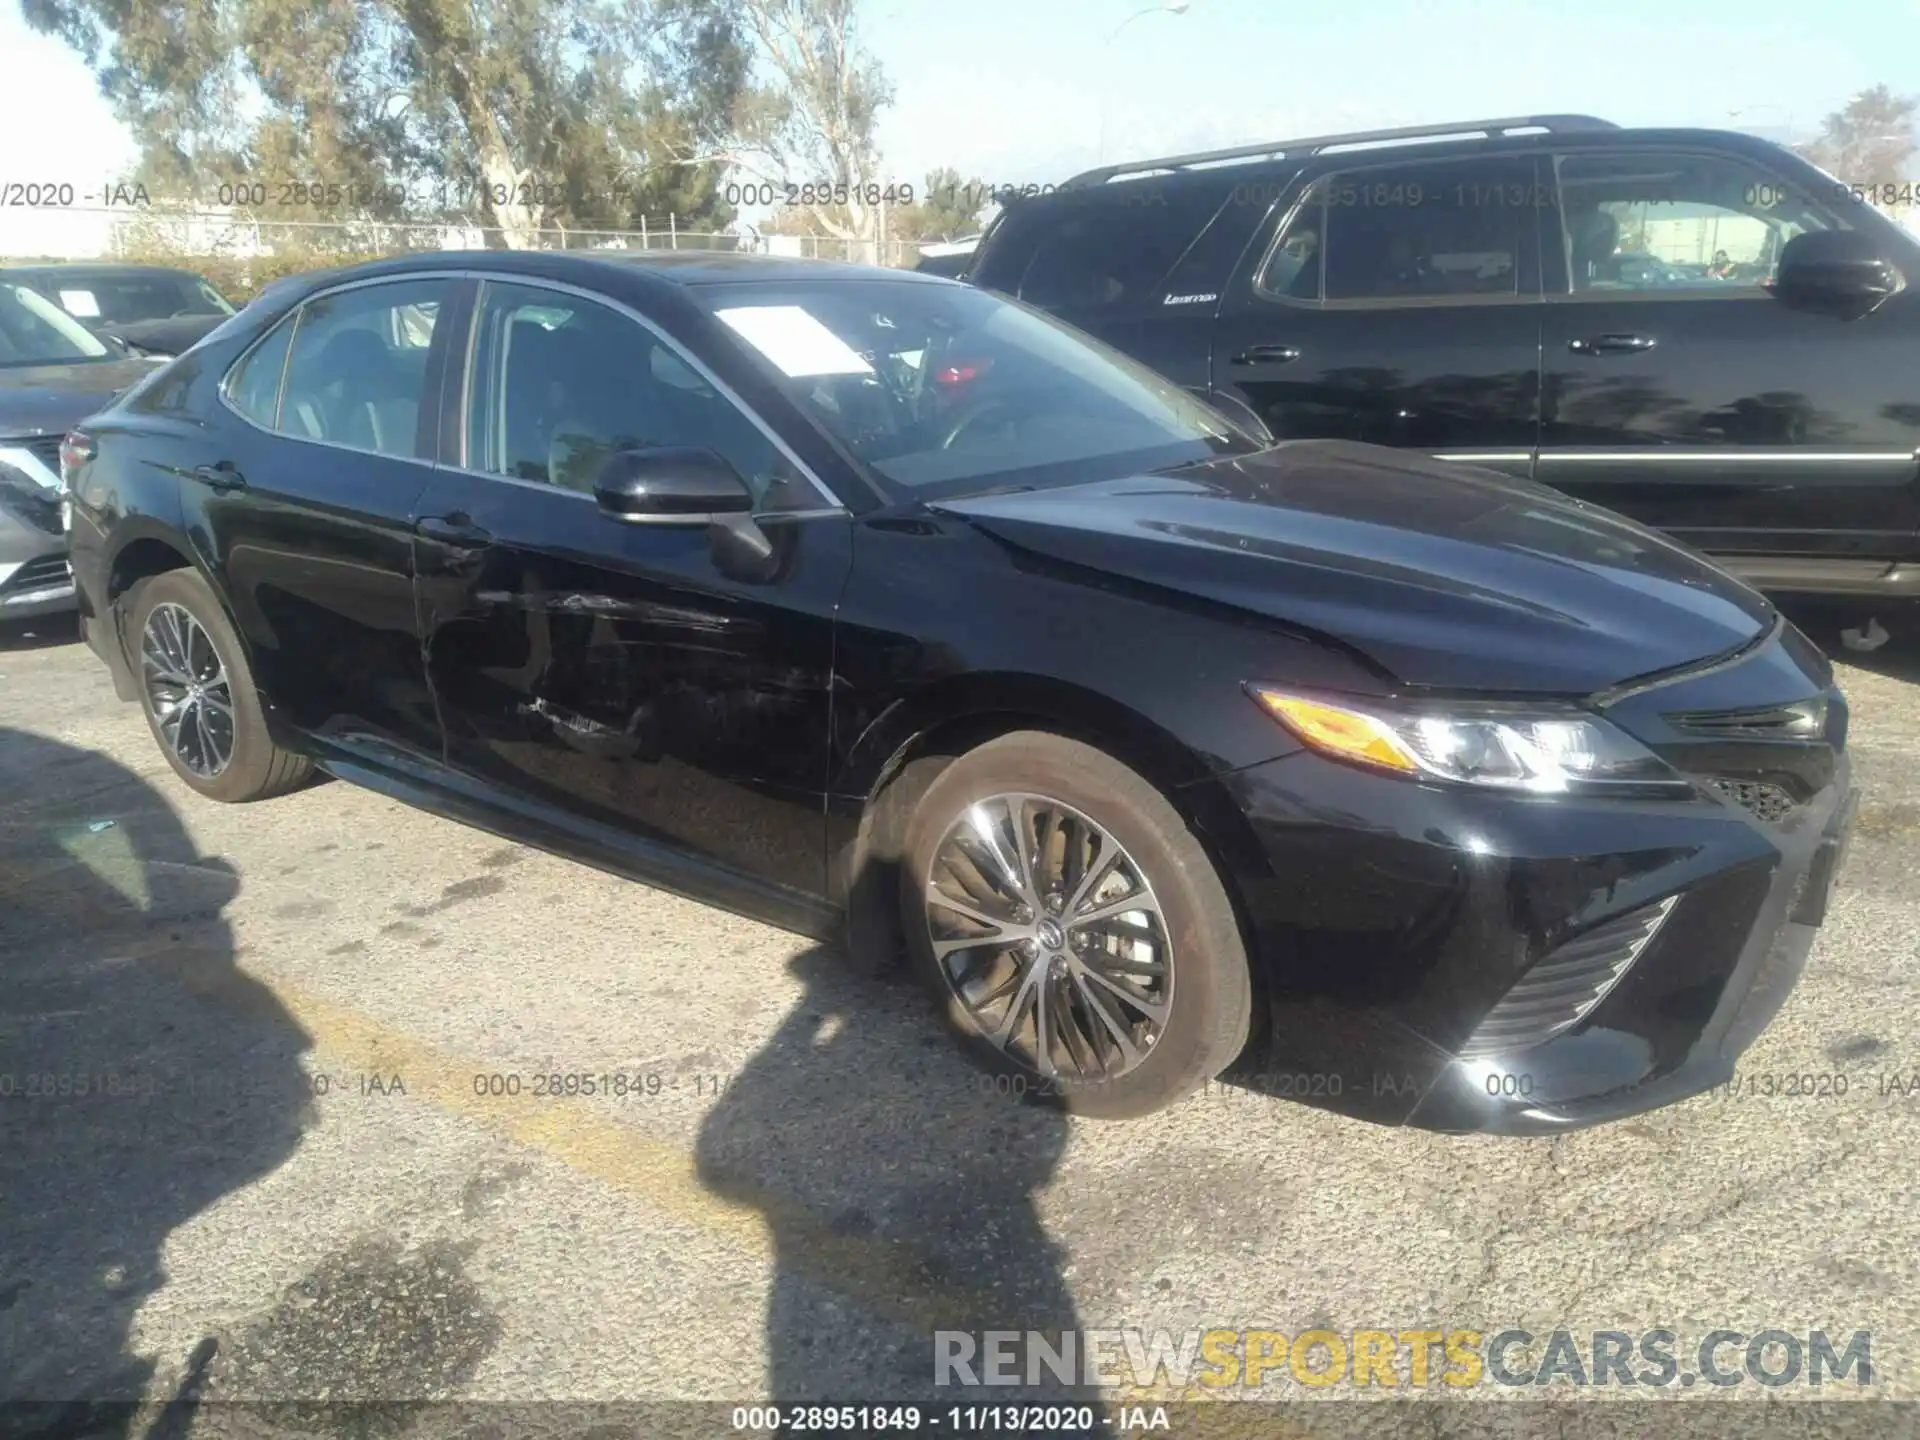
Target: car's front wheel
1073,928
198,695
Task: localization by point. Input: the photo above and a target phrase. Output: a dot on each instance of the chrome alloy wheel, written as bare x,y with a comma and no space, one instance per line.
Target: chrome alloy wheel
187,690
1048,934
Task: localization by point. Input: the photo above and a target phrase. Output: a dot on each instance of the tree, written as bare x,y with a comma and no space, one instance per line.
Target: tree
515,114
808,121
948,208
945,208
1869,140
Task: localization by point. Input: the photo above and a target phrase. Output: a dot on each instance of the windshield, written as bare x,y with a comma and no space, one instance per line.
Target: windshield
943,389
35,331
124,299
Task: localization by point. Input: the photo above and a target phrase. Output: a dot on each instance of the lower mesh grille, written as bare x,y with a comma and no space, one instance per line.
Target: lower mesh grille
1562,989
1768,803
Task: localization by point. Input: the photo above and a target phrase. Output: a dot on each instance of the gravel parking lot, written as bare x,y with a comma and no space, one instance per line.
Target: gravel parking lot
313,1160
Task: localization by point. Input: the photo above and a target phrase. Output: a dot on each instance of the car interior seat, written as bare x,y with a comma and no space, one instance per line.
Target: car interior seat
608,401
532,399
353,392
1591,236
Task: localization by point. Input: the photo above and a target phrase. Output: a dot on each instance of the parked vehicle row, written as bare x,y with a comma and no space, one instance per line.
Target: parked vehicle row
54,372
876,604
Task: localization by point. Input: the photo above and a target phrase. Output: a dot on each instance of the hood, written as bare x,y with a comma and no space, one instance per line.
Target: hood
172,335
52,399
1443,575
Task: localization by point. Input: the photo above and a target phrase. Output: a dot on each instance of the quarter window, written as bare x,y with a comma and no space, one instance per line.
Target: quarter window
1656,221
1410,232
560,384
358,372
254,389
1115,250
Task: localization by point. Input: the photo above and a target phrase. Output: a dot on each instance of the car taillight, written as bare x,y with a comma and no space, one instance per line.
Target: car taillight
75,450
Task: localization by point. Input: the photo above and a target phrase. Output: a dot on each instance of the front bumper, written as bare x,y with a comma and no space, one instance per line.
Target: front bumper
1601,1073
1387,919
35,578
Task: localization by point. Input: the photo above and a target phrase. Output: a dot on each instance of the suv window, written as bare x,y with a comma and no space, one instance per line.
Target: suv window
1116,247
358,370
561,383
1410,231
1666,220
254,387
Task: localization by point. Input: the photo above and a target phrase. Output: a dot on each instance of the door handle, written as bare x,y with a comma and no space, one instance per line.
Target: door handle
456,529
1267,355
1611,344
219,477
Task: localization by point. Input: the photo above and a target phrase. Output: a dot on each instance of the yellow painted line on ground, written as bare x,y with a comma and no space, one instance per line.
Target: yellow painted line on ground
887,1278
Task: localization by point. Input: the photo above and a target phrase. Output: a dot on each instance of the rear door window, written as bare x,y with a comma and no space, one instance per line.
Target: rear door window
357,374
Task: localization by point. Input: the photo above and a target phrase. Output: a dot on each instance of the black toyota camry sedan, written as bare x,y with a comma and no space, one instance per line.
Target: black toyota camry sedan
876,605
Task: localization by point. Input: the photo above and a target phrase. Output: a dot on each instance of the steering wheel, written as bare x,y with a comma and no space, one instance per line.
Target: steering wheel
973,414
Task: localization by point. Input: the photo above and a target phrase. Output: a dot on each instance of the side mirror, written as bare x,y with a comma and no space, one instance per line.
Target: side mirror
671,484
1835,269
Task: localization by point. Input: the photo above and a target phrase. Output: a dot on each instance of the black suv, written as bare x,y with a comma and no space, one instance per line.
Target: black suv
1694,327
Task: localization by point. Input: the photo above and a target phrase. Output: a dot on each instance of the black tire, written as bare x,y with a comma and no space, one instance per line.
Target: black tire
257,768
1210,1009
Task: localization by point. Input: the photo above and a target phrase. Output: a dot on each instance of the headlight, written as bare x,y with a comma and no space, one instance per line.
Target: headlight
1541,749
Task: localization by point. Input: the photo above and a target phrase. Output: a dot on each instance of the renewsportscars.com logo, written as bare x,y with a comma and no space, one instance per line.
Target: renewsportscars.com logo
1199,1362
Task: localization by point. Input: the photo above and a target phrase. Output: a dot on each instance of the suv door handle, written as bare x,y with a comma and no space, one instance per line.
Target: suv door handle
456,529
220,477
1611,344
1267,355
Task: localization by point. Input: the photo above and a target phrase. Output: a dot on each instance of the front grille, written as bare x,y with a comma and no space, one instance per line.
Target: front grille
1802,720
35,506
38,574
1562,989
25,494
1767,803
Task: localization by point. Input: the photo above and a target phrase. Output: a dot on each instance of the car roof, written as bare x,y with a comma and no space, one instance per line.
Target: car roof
669,267
630,275
1344,152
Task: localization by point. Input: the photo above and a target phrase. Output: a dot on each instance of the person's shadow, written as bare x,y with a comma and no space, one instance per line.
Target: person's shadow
142,1078
899,1189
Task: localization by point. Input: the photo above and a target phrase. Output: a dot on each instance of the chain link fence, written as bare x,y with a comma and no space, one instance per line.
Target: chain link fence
251,250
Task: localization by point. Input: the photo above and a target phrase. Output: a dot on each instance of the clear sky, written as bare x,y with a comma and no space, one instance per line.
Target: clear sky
1015,90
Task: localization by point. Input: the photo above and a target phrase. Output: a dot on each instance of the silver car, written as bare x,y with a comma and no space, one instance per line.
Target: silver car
54,373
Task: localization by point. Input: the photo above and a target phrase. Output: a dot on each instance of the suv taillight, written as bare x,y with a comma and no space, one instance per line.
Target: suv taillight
75,450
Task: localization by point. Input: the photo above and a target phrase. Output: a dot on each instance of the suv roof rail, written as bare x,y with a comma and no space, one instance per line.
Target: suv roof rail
1313,145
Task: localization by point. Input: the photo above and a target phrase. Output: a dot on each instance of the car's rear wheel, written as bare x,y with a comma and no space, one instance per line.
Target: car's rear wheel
197,693
1073,928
